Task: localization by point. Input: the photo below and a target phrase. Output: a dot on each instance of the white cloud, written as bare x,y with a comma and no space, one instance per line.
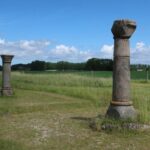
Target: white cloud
64,50
29,50
140,54
2,41
68,53
24,49
139,45
106,51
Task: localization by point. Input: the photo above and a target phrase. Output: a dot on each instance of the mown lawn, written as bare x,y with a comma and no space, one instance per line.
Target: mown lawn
52,112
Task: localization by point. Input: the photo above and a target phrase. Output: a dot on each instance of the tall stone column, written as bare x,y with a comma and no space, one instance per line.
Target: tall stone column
6,86
121,106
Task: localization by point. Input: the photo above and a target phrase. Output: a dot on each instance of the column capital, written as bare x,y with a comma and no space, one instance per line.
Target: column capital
7,58
123,29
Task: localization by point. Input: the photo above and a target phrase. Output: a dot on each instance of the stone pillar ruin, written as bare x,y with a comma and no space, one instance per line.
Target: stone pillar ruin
121,106
6,86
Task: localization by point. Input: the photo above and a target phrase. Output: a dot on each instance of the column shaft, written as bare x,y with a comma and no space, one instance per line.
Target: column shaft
121,73
6,75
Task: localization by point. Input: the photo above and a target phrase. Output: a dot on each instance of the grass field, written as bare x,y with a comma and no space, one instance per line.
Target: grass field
51,111
104,74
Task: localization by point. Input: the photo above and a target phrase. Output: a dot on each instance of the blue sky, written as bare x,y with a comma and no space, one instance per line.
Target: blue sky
71,30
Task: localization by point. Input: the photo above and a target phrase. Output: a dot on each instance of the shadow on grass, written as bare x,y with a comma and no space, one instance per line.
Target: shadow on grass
87,119
92,121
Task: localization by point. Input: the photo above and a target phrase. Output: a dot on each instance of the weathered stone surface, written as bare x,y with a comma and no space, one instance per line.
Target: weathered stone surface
99,123
123,28
121,112
121,47
121,79
121,106
6,86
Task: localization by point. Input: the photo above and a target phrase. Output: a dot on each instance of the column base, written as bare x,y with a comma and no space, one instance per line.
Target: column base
6,92
121,112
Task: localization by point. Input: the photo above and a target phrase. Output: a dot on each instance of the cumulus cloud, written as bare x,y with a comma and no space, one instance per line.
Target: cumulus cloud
64,50
2,41
140,54
106,51
68,53
28,50
140,45
24,49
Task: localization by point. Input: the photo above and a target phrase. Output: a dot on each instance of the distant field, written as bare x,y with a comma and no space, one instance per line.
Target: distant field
51,111
108,74
104,74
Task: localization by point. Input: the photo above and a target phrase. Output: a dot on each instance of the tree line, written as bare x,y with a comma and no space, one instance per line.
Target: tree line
93,64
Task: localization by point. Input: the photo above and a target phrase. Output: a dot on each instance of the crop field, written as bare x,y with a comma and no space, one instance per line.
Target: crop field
52,111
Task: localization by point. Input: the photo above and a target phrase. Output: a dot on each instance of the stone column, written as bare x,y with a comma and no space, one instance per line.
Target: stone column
121,106
6,86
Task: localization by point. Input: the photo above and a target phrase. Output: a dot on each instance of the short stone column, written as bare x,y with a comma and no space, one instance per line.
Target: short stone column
121,106
6,86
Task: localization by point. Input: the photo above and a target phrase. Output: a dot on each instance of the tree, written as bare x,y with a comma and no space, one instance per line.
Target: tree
50,66
21,67
96,64
38,65
62,65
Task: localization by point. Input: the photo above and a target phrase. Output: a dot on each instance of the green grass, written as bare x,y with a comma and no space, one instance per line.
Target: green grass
103,74
108,74
52,111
